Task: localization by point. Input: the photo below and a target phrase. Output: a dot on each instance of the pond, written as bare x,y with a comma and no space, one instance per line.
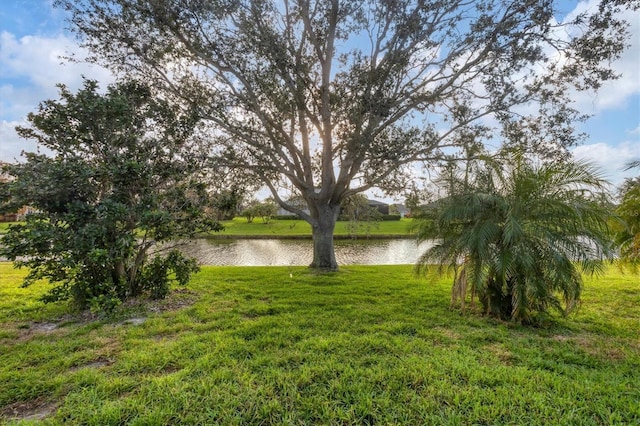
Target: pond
274,252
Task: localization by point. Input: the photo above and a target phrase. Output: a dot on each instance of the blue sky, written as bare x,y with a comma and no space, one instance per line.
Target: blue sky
33,38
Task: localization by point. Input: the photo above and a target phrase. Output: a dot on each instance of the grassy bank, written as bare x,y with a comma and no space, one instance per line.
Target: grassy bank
239,228
367,345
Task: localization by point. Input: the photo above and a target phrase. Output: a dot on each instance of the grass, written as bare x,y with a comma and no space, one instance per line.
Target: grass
239,227
4,226
279,345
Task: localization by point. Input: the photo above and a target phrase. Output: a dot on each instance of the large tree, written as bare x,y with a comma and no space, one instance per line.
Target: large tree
329,98
124,180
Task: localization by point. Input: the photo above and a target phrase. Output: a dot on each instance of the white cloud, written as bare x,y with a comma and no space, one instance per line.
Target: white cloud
31,66
615,94
611,159
36,65
11,145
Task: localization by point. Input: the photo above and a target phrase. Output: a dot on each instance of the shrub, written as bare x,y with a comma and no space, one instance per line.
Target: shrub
519,237
122,180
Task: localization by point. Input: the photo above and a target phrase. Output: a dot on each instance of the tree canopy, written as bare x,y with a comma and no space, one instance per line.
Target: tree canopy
326,99
124,179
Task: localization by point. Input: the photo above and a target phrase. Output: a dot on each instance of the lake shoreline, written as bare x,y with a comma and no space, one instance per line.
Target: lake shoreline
299,251
219,236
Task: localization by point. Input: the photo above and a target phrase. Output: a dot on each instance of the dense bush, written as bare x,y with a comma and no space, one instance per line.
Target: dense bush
122,180
266,210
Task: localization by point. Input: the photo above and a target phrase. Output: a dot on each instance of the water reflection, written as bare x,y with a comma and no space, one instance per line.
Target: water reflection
300,252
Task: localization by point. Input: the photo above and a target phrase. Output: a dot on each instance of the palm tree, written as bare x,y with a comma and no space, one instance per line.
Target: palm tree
628,232
520,237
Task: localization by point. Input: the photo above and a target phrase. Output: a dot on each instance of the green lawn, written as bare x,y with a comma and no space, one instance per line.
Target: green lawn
5,225
300,228
239,227
270,345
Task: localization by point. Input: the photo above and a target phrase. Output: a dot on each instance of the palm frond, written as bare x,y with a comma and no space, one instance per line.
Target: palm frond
525,233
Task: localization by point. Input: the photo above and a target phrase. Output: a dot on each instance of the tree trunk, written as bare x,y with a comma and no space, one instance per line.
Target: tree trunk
324,255
118,275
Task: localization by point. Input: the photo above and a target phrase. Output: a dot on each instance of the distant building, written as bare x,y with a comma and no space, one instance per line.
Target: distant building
25,211
283,212
297,202
22,213
9,217
383,208
4,177
401,209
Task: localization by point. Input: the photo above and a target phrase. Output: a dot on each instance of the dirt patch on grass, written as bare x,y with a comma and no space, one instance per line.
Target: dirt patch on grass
44,327
170,369
25,331
448,333
503,354
95,364
592,346
604,350
38,409
134,321
176,300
